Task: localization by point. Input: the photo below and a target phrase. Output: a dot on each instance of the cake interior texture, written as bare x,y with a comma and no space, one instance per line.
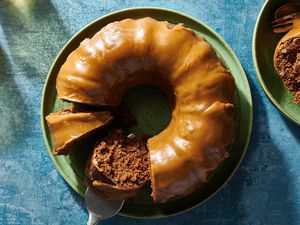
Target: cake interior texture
287,65
124,161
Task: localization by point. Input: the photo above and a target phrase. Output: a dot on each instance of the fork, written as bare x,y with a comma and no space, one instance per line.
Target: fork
286,23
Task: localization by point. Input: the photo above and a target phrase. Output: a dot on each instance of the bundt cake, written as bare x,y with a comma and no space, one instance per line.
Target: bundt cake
68,127
201,90
119,166
287,62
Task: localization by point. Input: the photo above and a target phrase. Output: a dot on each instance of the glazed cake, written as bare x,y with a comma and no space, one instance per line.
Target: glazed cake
184,65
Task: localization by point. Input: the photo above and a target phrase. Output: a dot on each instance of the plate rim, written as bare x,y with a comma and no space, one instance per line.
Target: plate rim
258,73
219,38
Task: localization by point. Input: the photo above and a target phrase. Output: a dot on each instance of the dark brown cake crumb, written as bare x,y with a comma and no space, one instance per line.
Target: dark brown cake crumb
125,161
287,64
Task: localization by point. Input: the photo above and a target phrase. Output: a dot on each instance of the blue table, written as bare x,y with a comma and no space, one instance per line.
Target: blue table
264,190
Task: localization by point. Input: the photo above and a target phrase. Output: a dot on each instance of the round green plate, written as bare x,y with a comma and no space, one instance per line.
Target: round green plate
263,46
142,206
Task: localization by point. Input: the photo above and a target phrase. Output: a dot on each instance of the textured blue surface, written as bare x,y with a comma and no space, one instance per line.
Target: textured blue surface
264,190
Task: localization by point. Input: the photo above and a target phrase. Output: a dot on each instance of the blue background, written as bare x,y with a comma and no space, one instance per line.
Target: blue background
264,190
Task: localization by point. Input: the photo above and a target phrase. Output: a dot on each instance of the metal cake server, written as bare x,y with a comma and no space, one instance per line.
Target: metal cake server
100,208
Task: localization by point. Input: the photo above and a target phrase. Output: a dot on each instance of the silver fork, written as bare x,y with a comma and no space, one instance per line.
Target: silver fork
286,23
100,208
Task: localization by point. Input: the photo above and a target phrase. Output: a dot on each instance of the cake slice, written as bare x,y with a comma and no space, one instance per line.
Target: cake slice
287,62
69,127
119,166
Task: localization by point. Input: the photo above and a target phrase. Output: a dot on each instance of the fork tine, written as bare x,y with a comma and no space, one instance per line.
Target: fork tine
288,17
280,20
290,22
282,29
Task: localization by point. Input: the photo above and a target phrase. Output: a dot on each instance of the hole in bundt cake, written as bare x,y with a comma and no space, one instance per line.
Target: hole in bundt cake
150,106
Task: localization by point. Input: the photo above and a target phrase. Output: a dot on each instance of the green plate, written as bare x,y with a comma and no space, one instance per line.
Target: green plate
142,206
263,46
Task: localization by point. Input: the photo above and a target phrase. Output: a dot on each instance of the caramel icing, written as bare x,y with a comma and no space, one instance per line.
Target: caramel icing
67,127
115,59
